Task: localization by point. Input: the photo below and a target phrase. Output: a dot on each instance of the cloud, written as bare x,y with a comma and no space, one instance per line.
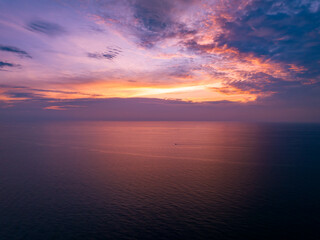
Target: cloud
110,54
149,21
13,93
14,50
157,20
6,64
283,31
23,95
260,47
260,84
143,109
44,27
61,107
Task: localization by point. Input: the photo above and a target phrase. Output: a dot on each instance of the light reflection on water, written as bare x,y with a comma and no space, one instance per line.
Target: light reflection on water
158,180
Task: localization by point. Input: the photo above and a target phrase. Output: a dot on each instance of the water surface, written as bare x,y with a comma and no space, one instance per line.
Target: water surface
159,180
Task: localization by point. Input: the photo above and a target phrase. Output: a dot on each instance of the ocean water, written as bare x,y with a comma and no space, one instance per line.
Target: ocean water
159,180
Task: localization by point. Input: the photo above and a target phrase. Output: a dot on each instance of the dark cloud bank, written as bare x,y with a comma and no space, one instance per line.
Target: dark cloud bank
283,31
143,109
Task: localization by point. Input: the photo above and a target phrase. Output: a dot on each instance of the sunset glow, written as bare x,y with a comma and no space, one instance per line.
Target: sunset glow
189,51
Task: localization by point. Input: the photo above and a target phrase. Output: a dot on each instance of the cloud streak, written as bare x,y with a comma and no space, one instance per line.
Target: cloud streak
4,65
14,50
44,27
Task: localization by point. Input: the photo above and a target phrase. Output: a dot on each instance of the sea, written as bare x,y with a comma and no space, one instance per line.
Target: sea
159,180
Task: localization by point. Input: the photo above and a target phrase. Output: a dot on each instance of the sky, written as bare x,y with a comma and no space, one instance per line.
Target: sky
249,60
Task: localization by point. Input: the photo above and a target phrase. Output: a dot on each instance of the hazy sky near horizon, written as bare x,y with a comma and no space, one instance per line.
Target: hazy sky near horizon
65,56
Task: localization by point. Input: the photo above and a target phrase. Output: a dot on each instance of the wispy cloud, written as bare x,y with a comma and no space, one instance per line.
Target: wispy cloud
14,50
44,27
13,93
4,65
21,95
110,54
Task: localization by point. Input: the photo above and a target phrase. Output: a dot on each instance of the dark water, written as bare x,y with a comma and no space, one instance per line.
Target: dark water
159,180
